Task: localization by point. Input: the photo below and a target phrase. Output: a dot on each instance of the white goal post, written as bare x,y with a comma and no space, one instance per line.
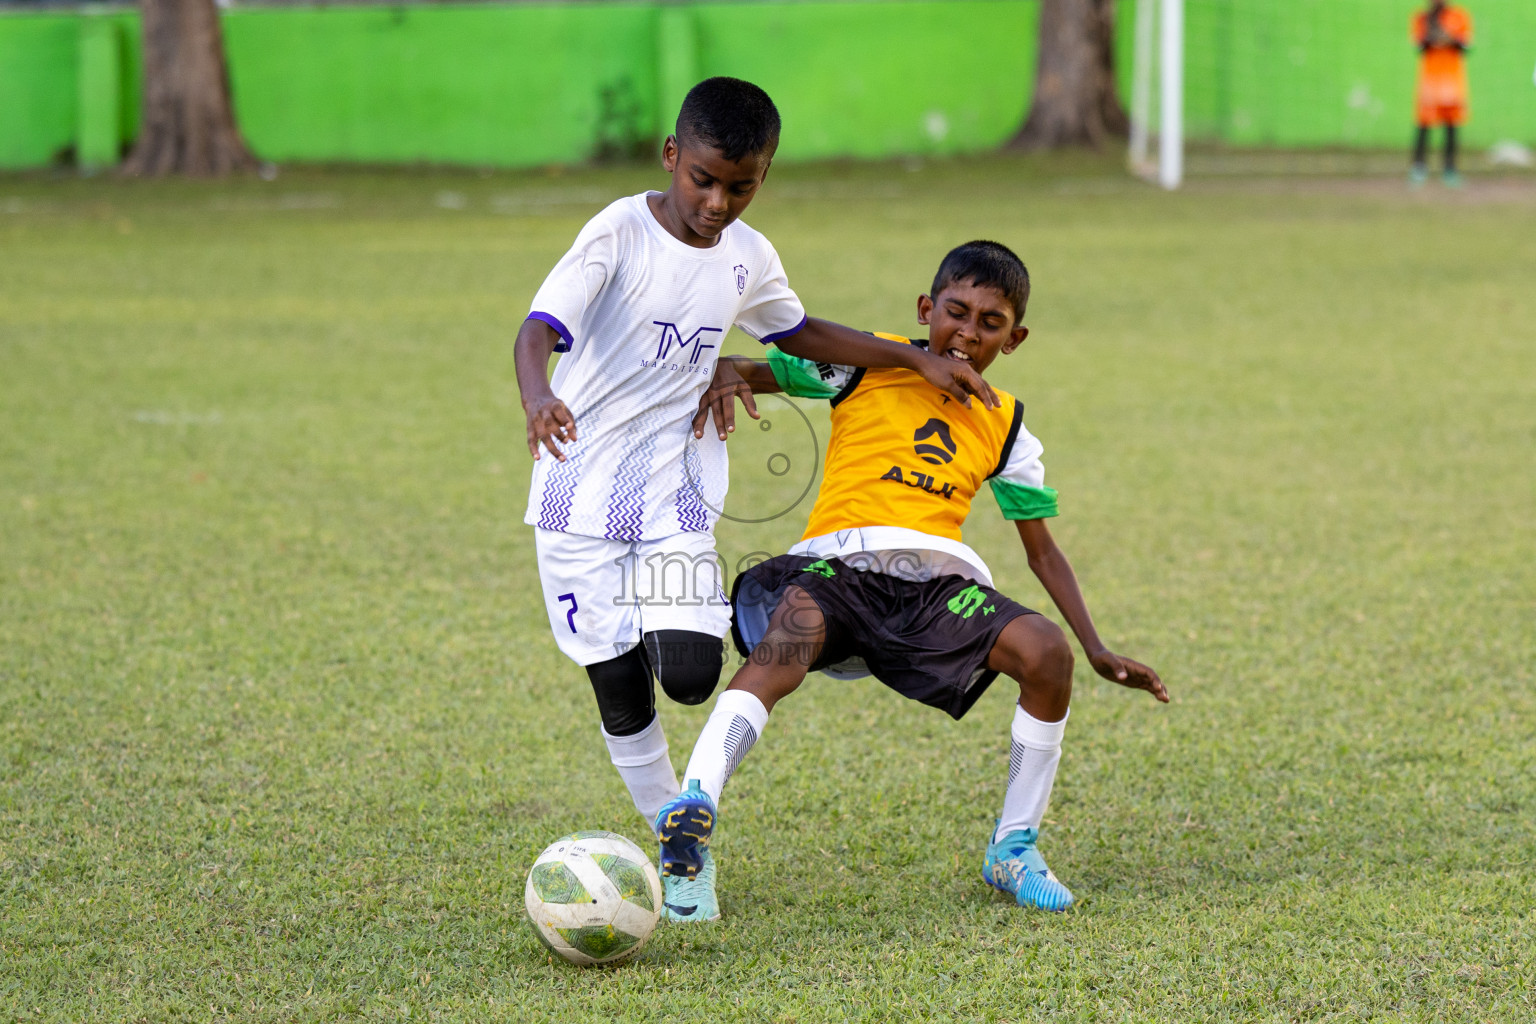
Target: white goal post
1159,42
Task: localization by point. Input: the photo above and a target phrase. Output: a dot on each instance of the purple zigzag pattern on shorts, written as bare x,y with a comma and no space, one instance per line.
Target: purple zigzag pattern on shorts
560,484
692,513
626,505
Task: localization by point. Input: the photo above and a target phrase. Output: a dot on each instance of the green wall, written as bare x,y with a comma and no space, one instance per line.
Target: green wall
530,84
1329,72
516,86
877,79
37,89
45,59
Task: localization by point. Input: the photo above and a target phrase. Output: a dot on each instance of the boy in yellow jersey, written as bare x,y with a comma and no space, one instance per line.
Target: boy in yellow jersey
883,584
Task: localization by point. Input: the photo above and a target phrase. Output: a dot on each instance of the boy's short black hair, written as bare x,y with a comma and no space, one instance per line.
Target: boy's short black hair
986,265
733,116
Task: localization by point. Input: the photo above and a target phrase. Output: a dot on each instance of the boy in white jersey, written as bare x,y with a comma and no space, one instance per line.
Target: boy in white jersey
625,507
882,583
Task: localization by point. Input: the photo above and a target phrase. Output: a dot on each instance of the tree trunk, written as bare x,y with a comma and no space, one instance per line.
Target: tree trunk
189,125
1075,102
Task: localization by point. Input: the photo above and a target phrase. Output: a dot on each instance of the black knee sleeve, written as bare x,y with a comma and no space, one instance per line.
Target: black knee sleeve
626,700
687,663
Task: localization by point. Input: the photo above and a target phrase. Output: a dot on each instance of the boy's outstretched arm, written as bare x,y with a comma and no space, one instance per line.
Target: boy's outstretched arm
548,418
1055,573
735,376
823,341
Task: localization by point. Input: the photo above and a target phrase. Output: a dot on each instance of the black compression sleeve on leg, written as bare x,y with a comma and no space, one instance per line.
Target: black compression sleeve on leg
1420,147
1450,149
625,697
688,663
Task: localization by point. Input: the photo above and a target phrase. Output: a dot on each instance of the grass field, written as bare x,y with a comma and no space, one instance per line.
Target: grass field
281,727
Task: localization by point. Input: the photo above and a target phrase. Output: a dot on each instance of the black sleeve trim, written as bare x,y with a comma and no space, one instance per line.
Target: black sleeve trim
1013,435
847,389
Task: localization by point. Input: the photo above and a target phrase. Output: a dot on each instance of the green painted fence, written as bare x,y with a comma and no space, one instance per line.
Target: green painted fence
1341,72
532,84
69,86
529,84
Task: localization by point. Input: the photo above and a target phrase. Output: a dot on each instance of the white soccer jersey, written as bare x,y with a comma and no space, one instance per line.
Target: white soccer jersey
641,316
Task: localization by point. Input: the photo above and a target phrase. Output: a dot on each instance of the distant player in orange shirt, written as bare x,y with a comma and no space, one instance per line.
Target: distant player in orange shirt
1442,33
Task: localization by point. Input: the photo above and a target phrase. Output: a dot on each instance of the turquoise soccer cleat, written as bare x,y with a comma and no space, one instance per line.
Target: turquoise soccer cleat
1016,867
684,826
686,900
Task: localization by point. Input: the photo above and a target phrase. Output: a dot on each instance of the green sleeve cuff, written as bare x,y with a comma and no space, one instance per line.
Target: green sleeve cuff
798,377
1020,501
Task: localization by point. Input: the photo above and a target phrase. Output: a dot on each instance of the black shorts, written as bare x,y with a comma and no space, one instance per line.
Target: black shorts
928,641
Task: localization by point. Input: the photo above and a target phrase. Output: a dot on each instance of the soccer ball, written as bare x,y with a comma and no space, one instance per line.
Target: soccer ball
593,897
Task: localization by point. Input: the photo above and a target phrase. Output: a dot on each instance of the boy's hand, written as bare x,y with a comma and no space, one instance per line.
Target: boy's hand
1128,673
549,421
721,399
959,379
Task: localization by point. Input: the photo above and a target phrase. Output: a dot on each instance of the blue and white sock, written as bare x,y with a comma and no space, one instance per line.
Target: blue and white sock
734,725
1032,760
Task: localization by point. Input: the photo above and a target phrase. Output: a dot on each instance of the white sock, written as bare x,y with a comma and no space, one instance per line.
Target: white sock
734,725
1032,761
645,768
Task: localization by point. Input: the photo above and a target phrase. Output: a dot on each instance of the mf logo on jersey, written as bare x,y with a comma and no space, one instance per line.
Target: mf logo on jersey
671,335
741,278
932,453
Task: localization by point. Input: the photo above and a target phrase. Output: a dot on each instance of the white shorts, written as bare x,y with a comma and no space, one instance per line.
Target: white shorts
603,595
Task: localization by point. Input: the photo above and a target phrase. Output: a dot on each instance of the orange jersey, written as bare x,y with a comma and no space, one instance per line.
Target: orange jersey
1442,88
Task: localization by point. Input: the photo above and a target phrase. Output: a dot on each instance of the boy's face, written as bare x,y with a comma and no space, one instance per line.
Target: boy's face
970,323
708,191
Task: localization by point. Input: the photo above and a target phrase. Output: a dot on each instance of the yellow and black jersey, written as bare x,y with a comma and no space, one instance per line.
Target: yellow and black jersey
904,453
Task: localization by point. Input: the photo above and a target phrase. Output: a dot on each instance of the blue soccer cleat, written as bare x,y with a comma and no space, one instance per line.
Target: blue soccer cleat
684,826
1016,867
